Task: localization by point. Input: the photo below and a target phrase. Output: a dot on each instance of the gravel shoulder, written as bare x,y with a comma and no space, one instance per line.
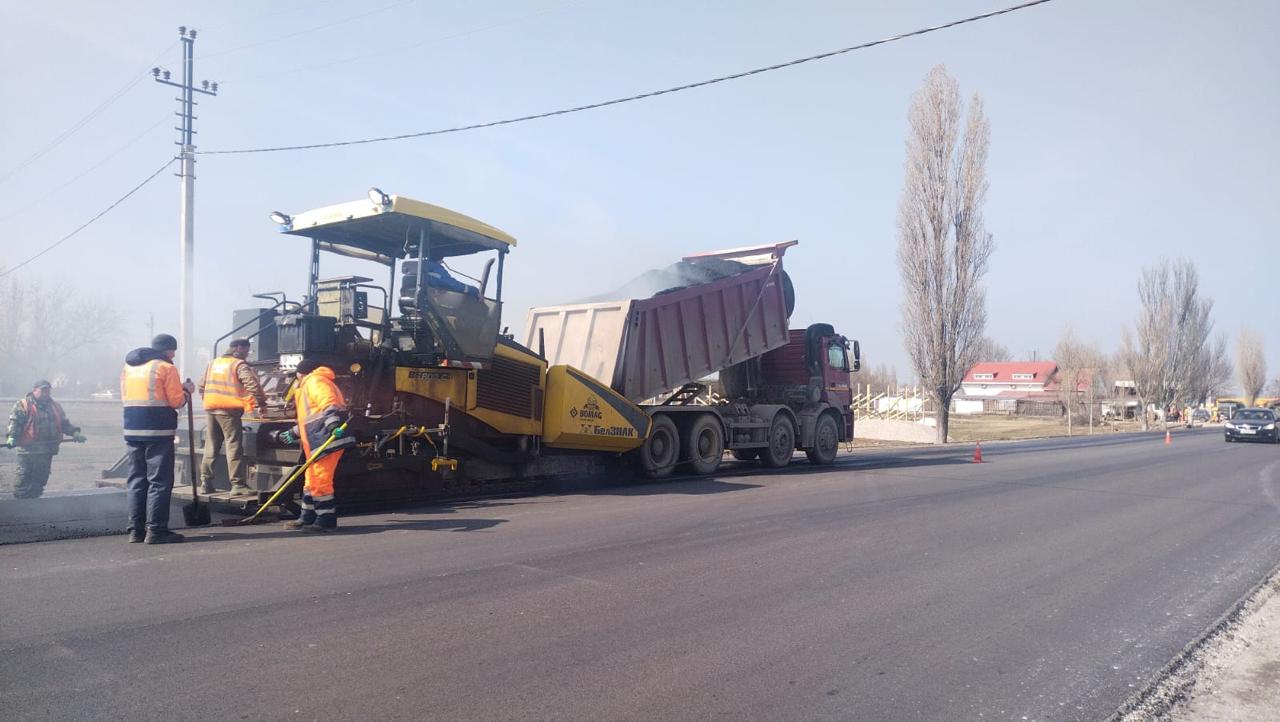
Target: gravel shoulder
1231,673
1240,677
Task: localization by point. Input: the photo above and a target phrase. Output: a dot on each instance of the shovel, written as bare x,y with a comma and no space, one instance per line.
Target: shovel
297,474
195,513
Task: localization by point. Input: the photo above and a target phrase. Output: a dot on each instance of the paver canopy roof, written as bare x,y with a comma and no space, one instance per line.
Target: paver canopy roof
383,233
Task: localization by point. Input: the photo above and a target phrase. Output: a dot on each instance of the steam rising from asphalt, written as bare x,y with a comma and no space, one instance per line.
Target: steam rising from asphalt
672,278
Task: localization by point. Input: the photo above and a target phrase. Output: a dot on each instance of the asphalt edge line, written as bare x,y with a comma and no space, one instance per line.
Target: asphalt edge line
1170,687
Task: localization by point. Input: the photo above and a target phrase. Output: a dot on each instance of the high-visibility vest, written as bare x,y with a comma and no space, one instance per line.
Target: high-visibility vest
222,387
316,397
31,430
148,411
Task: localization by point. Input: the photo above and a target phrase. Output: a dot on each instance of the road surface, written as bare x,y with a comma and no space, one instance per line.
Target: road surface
1050,582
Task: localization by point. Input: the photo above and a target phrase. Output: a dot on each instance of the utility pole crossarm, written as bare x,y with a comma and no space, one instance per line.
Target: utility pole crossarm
162,81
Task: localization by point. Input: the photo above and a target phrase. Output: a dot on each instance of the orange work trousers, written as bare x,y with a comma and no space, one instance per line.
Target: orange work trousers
319,482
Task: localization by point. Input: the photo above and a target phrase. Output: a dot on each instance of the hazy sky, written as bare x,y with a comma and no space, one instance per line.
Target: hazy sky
1122,132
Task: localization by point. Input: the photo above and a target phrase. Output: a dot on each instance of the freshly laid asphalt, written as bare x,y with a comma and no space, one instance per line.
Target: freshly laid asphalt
1051,582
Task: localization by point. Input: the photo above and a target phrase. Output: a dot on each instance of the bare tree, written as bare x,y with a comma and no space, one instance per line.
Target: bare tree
880,379
1168,353
1079,371
1211,372
943,245
46,331
1252,364
991,350
1067,356
10,324
1099,384
1111,371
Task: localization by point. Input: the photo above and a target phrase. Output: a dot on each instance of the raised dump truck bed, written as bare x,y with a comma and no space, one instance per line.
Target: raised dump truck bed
723,312
724,308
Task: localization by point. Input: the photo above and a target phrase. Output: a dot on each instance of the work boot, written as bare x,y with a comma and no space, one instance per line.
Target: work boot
295,525
241,490
316,528
206,488
136,536
163,536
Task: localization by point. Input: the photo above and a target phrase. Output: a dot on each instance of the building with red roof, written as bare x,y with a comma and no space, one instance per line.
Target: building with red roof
1009,379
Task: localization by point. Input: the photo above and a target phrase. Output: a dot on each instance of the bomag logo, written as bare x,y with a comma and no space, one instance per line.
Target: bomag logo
589,410
429,375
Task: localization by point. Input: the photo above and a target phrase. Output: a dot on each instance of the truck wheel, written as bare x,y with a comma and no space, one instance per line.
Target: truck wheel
661,450
826,441
782,443
746,454
703,443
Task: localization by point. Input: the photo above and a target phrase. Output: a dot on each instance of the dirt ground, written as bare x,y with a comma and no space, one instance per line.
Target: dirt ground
861,443
968,429
77,466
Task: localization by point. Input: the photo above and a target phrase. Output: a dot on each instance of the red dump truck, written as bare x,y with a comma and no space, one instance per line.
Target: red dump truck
657,339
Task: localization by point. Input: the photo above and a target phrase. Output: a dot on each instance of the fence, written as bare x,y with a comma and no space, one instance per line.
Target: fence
902,404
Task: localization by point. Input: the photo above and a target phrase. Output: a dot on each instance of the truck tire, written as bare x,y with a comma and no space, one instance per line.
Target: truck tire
782,443
826,441
746,454
661,451
703,444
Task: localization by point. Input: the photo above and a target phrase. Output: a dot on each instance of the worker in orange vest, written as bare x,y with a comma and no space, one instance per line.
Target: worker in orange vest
151,394
321,411
36,427
229,388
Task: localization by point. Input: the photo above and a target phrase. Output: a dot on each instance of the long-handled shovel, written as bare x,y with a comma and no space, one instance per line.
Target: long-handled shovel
297,473
195,513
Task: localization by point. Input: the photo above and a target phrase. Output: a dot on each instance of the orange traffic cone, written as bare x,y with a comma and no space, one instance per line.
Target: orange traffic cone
977,453
1167,438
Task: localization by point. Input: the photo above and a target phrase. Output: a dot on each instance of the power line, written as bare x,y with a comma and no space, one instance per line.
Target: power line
133,81
89,222
630,98
19,210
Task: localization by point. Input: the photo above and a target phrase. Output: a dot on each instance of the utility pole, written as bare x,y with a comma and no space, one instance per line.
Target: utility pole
187,176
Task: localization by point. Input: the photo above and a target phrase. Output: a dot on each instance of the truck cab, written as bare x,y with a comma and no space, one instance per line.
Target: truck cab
809,376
